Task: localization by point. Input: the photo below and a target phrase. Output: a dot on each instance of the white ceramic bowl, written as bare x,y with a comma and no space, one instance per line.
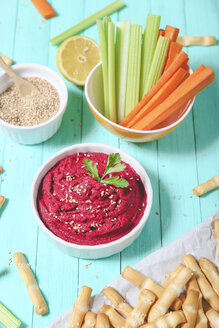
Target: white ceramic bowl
94,96
103,250
41,132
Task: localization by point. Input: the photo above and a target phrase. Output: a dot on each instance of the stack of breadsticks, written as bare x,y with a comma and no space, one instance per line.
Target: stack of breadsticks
187,298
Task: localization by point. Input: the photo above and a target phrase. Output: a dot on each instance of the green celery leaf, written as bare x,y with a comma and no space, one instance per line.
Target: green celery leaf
112,160
115,181
92,168
117,168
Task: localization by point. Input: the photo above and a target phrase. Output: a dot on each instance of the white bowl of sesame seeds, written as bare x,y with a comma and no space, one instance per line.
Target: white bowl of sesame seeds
45,128
111,217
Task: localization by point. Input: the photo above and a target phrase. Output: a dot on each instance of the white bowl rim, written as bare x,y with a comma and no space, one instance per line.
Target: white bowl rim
138,227
60,111
128,129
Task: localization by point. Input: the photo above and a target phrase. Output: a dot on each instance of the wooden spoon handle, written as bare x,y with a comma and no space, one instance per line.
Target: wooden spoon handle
16,79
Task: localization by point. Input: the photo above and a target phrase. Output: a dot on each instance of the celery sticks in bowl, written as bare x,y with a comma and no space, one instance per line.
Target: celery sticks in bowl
131,63
144,78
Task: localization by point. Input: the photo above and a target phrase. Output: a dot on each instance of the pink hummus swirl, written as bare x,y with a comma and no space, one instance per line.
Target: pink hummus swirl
79,209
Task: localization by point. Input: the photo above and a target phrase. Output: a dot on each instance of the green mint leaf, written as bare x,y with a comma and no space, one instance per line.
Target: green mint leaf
92,168
115,181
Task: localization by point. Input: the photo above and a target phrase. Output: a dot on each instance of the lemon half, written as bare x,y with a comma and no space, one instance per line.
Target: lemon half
76,57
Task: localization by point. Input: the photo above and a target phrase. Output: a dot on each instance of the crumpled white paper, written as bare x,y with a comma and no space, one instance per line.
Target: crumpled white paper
199,242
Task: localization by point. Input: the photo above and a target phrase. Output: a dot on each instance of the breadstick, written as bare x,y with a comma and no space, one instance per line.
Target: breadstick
190,308
116,320
36,297
210,272
102,321
80,307
203,40
182,297
213,318
144,282
207,291
216,233
169,320
206,186
89,320
2,200
201,320
169,294
137,316
205,305
117,301
171,275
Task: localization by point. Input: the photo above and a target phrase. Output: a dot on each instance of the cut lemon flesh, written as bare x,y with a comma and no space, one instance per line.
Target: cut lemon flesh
76,57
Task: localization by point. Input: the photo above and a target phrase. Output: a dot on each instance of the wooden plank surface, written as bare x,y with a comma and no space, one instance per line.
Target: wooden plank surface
175,164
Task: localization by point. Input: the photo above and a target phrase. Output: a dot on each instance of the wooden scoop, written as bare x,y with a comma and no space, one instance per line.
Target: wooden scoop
24,87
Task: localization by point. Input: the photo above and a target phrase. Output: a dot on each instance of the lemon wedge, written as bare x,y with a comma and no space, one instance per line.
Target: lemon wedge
76,57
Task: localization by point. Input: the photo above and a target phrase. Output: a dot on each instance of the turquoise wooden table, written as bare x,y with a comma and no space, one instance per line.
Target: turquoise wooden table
175,164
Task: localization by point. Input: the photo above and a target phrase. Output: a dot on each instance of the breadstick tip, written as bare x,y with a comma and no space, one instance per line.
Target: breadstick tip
2,200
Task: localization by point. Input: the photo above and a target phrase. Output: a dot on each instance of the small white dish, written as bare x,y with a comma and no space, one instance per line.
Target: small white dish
97,251
38,133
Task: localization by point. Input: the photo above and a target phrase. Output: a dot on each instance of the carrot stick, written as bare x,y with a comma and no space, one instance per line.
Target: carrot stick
44,8
180,60
161,95
160,33
174,49
195,83
171,33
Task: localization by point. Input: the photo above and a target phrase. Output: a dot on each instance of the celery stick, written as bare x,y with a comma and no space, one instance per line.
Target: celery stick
111,73
116,5
104,56
122,47
157,63
133,70
148,48
106,20
7,318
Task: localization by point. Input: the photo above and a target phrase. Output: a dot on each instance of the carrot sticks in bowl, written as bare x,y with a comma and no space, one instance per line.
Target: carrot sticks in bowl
178,62
194,84
152,80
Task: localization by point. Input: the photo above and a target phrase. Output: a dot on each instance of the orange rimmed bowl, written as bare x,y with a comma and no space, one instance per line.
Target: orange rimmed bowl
94,96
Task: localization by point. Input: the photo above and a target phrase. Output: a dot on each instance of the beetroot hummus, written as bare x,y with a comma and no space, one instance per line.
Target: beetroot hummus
81,210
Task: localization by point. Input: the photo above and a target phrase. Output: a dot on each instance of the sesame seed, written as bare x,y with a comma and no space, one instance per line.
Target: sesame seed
37,108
